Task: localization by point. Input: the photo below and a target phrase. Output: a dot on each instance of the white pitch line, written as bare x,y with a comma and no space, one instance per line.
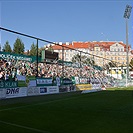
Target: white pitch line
39,103
24,127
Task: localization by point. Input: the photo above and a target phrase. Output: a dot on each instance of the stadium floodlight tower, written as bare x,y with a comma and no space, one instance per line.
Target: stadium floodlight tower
126,16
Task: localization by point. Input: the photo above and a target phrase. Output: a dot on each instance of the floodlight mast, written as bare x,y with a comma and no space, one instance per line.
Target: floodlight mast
127,16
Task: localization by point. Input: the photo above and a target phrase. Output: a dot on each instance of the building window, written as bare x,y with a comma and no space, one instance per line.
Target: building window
107,53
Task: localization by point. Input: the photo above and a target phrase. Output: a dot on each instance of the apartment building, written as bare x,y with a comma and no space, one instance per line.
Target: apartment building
102,52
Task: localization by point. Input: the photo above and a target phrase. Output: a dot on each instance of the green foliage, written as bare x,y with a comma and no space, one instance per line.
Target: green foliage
112,64
7,47
18,47
33,50
76,58
50,48
131,64
40,51
83,59
89,61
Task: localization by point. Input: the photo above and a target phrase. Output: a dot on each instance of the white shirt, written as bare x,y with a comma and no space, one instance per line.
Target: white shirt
58,81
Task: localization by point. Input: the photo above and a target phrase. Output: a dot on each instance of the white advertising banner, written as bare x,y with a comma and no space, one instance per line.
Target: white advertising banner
32,83
96,86
2,93
45,81
53,89
90,91
42,90
21,78
33,91
16,92
48,90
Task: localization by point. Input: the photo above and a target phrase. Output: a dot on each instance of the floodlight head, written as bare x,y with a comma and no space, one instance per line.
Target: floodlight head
127,11
128,6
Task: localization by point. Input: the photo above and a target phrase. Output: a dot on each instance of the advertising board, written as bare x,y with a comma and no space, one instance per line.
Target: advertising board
67,88
96,86
33,91
83,87
44,81
16,92
8,84
52,89
42,90
2,93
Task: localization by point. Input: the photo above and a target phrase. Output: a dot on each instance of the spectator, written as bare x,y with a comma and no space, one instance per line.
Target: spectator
58,80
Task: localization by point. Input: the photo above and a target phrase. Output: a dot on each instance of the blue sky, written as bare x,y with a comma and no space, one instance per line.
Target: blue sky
65,20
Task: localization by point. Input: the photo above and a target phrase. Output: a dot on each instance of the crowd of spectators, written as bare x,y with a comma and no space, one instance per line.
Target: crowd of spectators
10,68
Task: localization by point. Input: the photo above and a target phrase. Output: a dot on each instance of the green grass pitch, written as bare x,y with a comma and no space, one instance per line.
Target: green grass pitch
109,111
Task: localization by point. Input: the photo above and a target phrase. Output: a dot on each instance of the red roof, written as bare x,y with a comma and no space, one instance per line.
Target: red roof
87,45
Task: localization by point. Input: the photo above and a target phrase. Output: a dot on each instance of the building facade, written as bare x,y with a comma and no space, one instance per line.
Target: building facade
102,52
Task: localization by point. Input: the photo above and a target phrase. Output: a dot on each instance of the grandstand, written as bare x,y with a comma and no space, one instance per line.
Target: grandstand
50,64
27,79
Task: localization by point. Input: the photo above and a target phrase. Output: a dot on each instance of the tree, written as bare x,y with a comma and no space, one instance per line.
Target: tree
40,51
76,58
89,61
131,64
7,47
50,48
33,50
82,59
18,46
110,64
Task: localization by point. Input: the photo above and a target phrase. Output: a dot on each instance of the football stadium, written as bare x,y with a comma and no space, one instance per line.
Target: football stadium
47,94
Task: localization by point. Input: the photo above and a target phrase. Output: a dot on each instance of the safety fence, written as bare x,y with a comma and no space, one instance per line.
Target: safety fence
42,86
82,67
